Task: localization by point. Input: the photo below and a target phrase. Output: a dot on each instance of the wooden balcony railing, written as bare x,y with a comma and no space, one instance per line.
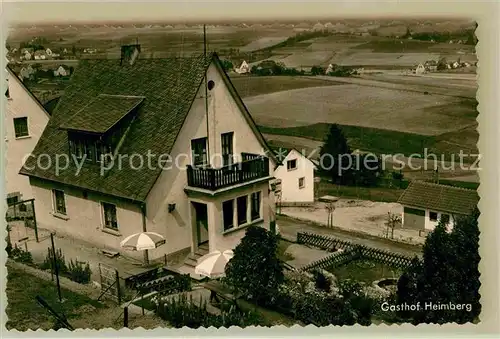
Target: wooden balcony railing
238,173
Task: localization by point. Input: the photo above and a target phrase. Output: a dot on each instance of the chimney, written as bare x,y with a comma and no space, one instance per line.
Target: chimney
129,53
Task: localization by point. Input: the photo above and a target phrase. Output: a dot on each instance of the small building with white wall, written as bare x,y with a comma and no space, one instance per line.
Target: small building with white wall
425,204
24,120
296,174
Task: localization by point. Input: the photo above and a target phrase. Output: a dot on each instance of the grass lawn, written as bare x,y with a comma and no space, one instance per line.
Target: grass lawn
248,86
382,141
282,246
24,312
366,271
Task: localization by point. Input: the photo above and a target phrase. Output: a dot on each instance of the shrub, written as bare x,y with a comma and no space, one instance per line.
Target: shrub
255,270
182,311
79,272
48,263
19,255
321,282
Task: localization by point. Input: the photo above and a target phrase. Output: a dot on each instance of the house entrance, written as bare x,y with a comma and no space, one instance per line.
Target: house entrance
201,222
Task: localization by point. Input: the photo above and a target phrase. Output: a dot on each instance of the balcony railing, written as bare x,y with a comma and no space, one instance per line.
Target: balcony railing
238,173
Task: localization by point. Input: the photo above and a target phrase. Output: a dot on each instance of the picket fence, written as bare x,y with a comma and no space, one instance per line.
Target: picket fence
348,252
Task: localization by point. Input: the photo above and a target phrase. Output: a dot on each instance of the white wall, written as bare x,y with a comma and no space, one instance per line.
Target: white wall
84,216
224,116
21,104
290,191
430,225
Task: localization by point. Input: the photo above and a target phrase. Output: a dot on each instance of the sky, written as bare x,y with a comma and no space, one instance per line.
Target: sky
92,11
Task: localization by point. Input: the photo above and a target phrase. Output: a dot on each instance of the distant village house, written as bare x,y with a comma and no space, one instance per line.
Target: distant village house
62,71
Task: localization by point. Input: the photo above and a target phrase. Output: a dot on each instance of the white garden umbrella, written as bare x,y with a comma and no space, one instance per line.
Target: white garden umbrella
213,264
143,241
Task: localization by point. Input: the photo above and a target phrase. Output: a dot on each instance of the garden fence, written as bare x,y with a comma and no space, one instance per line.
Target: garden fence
349,252
323,242
334,260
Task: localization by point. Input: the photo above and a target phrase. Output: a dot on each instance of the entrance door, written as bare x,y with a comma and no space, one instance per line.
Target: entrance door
201,222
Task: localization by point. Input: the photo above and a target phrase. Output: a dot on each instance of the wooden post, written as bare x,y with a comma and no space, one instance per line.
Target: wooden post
56,269
125,316
34,220
118,292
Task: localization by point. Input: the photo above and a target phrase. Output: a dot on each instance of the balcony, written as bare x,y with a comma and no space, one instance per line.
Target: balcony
251,168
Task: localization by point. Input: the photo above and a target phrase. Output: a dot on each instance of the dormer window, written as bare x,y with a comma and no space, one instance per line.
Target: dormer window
97,130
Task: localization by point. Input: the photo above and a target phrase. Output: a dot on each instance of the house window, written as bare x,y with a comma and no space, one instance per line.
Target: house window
21,127
291,164
242,203
109,214
59,203
227,214
433,216
255,208
227,148
199,151
302,182
12,200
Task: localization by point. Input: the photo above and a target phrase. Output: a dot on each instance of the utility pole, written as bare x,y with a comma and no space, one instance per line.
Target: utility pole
56,269
206,92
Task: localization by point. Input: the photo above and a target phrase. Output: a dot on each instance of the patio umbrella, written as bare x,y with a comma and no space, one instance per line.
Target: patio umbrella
143,241
213,264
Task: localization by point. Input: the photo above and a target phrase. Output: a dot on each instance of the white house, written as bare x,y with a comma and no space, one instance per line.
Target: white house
426,203
243,69
208,175
24,122
296,174
420,69
26,72
26,55
329,69
62,71
40,55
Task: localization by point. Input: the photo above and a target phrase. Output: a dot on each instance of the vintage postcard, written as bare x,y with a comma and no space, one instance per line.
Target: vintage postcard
169,170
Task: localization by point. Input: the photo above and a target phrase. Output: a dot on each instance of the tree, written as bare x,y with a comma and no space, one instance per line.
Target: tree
442,64
227,65
255,270
317,70
393,220
448,274
335,155
367,169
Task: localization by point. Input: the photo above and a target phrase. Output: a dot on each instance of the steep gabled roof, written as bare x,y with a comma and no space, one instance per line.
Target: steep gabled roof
441,198
21,83
168,87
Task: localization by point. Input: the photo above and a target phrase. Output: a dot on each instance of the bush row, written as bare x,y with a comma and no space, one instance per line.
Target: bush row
77,271
74,270
181,311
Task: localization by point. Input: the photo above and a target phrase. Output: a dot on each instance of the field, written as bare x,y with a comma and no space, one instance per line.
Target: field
248,86
364,106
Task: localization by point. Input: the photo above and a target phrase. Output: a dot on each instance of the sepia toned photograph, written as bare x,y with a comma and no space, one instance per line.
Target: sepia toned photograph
259,172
